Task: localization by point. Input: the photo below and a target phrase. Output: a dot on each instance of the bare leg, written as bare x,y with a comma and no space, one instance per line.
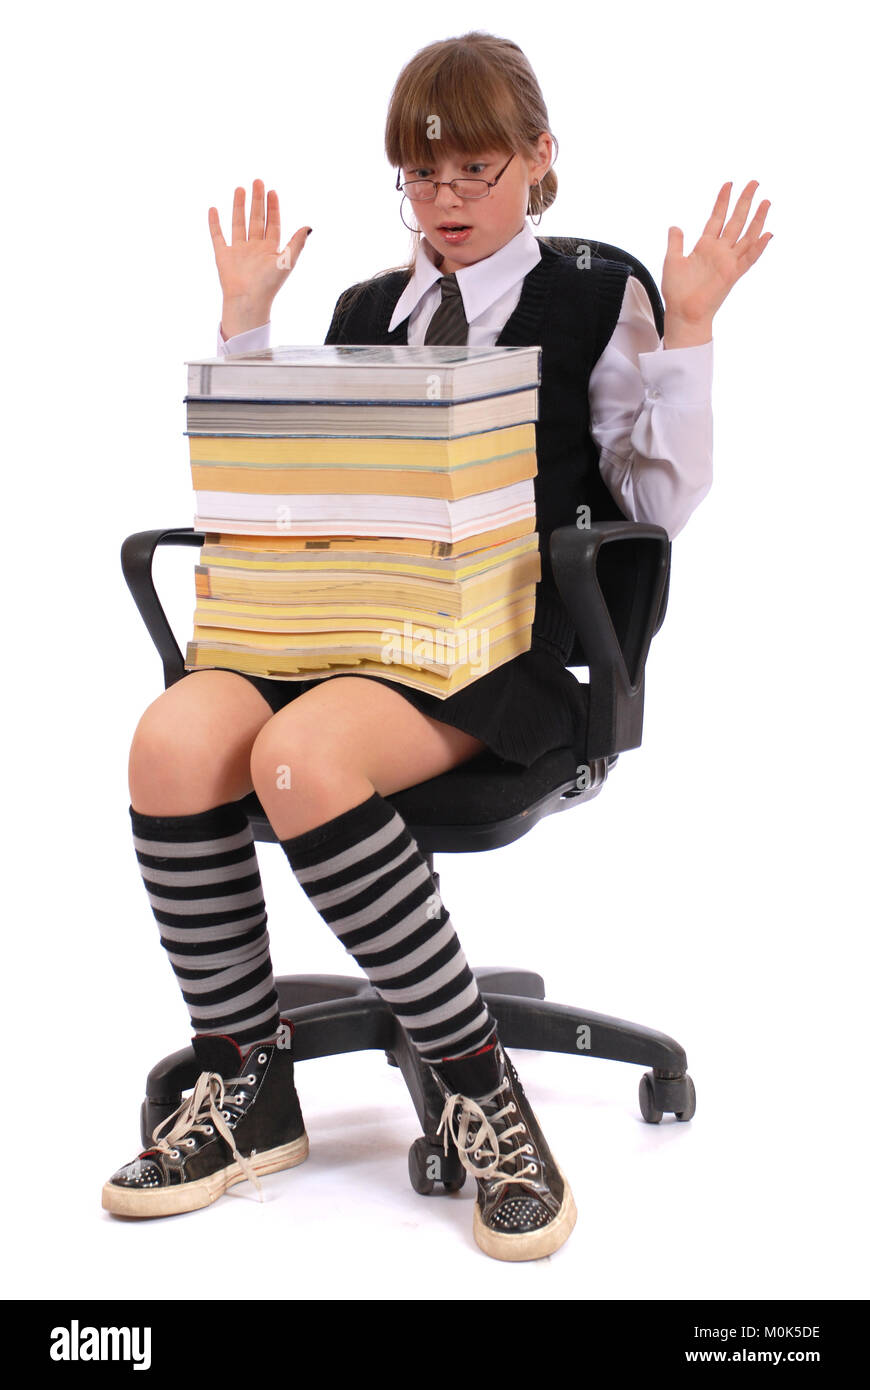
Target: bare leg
341,741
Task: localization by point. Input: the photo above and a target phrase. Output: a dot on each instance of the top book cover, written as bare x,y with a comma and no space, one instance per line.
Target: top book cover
361,373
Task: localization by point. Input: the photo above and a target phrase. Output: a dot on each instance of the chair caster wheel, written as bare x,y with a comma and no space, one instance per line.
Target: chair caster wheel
428,1164
689,1110
657,1094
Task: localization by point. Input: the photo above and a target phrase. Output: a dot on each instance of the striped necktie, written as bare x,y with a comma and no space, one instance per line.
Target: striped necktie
448,324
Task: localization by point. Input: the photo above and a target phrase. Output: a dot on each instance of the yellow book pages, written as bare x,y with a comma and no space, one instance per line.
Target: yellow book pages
402,454
337,644
225,559
293,622
322,482
412,545
441,686
328,588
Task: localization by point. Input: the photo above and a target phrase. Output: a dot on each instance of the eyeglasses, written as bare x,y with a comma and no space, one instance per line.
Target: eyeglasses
425,190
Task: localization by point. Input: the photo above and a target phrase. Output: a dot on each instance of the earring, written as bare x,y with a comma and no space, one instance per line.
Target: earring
536,222
402,219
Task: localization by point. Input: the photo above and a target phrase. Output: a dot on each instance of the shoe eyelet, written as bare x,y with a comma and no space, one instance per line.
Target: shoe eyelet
173,1153
191,1143
263,1057
511,1108
251,1080
523,1129
226,1114
533,1167
528,1149
209,1129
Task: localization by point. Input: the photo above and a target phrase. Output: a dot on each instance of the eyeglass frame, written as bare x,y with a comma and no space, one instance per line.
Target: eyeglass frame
448,183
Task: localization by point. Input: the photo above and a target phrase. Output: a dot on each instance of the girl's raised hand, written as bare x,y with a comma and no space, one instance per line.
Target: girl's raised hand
253,268
694,286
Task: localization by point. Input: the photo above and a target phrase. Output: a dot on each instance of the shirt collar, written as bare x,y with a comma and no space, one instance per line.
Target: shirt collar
481,284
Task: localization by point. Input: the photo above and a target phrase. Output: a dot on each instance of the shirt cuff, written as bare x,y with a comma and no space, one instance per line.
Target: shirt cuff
252,340
678,376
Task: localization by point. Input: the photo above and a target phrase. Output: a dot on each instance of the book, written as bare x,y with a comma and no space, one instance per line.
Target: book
430,419
418,468
415,557
365,374
364,514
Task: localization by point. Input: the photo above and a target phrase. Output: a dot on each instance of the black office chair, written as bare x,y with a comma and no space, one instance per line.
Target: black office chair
613,579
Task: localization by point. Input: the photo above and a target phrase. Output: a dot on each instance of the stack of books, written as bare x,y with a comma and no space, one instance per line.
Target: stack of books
366,509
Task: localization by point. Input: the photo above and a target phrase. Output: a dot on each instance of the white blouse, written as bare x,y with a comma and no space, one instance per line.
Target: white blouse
650,407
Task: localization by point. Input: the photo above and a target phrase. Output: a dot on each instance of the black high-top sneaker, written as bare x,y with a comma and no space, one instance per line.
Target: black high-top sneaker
525,1208
242,1120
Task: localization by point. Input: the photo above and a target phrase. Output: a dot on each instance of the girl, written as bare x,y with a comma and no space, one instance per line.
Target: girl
624,427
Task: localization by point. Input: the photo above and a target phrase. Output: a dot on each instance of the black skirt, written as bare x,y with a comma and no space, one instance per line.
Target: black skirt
521,710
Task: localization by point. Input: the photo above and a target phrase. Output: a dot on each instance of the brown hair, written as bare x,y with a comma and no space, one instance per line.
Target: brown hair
485,95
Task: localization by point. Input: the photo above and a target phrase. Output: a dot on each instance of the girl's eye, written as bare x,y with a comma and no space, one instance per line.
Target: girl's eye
471,170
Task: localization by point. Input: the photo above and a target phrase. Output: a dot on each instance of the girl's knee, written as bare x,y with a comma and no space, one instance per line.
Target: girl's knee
184,756
163,759
159,736
272,757
282,758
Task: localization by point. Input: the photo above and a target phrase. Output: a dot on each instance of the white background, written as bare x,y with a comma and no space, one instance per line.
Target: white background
713,891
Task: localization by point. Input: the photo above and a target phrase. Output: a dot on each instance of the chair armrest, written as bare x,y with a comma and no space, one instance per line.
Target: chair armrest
612,578
137,555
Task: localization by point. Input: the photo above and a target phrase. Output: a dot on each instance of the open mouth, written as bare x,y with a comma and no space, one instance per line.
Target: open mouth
454,232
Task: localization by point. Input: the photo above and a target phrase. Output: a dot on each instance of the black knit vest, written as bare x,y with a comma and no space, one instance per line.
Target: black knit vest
570,313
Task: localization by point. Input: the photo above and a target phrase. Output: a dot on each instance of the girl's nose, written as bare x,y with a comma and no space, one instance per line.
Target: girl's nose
446,199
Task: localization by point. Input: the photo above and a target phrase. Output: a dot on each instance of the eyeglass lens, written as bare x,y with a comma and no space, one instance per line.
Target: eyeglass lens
423,190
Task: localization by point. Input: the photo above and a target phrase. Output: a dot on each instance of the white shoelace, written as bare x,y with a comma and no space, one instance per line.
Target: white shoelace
195,1114
473,1145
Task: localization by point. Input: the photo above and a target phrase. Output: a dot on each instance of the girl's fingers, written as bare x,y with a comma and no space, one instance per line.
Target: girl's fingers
716,220
749,255
675,242
259,228
258,211
239,216
290,255
753,230
273,219
214,226
735,225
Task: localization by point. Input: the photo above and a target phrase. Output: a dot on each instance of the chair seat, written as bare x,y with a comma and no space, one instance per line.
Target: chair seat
481,804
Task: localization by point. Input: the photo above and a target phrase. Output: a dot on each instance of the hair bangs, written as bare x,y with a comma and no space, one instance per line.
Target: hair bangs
462,106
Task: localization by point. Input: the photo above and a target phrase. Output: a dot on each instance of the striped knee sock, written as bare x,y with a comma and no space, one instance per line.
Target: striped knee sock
369,882
203,880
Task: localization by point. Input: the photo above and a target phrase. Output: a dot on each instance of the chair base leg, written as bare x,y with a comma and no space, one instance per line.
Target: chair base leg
336,1013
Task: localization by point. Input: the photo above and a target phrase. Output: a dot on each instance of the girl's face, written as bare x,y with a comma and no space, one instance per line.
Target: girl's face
492,221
